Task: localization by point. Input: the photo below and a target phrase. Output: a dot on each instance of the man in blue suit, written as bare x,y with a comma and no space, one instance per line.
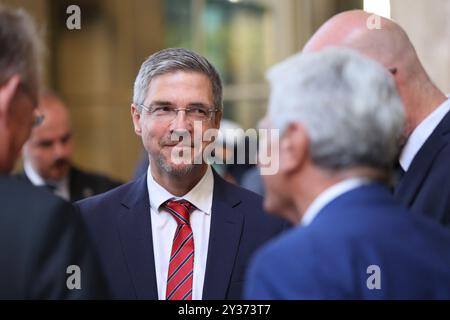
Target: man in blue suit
180,231
423,170
340,119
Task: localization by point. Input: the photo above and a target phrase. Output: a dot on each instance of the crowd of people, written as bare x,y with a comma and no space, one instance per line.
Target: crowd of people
357,208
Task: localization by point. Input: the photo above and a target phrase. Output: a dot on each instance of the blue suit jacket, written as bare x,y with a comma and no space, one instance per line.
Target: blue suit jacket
329,259
425,187
120,224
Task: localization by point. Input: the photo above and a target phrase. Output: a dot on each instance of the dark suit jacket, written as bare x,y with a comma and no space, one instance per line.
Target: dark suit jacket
84,184
40,236
120,224
425,187
329,259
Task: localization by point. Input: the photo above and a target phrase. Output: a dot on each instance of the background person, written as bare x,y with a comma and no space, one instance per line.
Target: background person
40,234
340,119
423,176
48,156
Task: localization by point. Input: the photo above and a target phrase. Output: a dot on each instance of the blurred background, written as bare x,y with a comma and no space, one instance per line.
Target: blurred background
93,69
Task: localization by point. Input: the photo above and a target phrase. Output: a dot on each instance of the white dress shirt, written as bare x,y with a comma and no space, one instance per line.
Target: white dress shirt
421,133
329,195
164,226
61,186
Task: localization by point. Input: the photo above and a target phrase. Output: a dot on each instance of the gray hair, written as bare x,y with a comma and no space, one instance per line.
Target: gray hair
347,103
21,48
172,60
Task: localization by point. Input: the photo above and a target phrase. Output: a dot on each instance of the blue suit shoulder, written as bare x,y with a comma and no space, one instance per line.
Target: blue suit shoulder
251,206
105,199
329,258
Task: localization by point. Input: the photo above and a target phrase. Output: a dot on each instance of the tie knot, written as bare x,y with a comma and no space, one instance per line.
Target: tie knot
180,210
49,187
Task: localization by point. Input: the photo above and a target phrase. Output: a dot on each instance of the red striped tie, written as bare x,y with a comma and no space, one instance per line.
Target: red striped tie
181,265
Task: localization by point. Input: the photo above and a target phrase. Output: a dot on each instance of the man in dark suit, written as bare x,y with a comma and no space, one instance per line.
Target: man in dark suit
180,231
45,251
424,184
340,119
44,247
47,156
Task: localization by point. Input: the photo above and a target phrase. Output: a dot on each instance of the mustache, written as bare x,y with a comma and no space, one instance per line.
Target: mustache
184,139
61,162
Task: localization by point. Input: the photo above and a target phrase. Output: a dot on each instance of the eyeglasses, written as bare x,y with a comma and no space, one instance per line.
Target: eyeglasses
169,113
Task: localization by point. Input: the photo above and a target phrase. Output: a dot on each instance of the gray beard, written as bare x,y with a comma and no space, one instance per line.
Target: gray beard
168,168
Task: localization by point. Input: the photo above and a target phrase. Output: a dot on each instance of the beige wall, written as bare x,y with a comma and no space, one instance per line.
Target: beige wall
428,25
95,70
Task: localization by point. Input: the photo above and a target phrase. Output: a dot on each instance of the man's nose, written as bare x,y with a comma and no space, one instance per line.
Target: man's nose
180,122
60,150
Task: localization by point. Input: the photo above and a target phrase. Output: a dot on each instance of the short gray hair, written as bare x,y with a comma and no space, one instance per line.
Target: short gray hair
21,48
347,103
172,60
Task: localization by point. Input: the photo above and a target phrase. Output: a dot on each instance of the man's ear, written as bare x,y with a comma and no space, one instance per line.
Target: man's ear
136,116
294,148
7,92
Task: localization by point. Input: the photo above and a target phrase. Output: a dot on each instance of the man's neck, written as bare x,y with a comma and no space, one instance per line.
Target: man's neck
425,104
179,185
320,180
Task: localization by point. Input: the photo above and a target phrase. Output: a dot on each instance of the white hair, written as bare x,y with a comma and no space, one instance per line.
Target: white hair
21,48
347,103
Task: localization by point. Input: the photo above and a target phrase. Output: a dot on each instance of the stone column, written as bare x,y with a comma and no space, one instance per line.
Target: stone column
428,26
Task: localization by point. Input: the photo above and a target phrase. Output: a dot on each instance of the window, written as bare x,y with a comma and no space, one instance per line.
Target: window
237,37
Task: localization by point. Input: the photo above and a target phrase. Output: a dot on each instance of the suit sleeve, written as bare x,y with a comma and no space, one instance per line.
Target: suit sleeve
63,263
258,285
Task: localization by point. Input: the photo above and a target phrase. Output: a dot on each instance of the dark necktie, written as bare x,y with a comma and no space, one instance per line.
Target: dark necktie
399,173
181,265
49,187
396,176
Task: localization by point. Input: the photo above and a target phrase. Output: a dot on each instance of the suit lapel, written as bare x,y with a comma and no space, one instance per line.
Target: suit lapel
134,224
225,234
409,185
75,187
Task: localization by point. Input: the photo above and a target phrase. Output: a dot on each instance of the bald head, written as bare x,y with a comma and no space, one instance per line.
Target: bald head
49,148
51,106
387,43
376,37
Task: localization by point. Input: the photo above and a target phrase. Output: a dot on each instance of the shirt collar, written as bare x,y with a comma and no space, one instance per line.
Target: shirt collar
421,133
37,180
61,187
34,177
200,195
329,195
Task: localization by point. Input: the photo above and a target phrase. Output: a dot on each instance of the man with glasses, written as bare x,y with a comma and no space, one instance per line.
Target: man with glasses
43,241
180,231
